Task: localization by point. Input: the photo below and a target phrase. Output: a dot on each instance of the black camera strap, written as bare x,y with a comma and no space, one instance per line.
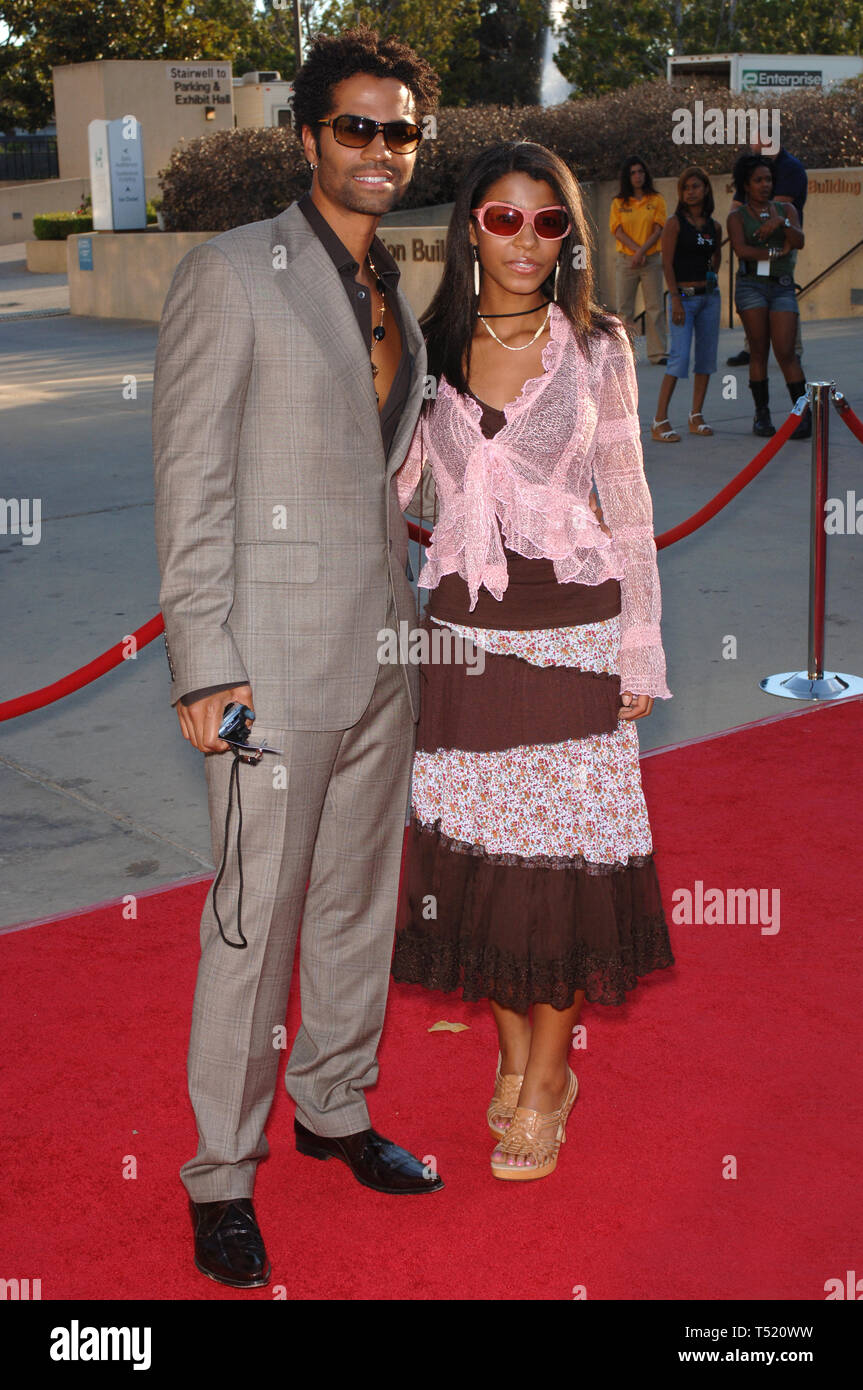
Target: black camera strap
235,776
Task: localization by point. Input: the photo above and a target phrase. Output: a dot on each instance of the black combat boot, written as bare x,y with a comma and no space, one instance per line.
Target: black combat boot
762,424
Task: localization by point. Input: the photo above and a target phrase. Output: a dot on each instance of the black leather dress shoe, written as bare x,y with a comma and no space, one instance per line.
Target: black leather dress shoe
374,1161
228,1244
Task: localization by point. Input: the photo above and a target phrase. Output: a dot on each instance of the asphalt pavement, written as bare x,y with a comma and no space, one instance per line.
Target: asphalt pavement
100,795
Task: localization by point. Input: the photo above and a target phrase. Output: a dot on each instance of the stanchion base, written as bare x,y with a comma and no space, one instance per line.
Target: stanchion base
796,685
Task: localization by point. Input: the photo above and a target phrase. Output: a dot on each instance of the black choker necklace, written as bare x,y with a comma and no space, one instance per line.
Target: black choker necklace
518,315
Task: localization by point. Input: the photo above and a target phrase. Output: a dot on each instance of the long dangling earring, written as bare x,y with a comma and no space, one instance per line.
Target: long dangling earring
475,271
556,278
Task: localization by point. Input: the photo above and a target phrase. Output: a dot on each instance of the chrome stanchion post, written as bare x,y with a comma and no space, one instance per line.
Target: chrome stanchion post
814,683
820,402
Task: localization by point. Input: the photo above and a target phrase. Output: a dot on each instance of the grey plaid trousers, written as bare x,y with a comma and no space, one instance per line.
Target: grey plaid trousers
331,810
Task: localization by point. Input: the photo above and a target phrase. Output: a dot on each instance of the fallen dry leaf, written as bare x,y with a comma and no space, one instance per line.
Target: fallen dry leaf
443,1027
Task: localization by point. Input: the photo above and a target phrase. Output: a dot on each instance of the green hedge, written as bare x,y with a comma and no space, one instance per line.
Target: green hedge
57,226
232,177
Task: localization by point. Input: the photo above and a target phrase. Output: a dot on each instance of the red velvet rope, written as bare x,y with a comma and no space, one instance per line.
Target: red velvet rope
692,523
36,699
737,484
114,656
847,415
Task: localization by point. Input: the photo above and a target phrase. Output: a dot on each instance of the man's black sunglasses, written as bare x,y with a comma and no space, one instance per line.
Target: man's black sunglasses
402,137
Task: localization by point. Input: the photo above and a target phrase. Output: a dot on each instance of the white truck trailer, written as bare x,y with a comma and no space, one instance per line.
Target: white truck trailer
769,74
262,99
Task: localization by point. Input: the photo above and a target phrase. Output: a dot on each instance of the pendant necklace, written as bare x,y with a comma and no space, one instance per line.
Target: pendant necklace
378,332
524,345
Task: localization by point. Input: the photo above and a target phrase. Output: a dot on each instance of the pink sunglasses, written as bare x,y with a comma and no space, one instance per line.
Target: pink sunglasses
507,220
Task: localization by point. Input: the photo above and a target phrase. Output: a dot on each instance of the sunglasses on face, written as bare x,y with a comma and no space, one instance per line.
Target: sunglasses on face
507,220
355,132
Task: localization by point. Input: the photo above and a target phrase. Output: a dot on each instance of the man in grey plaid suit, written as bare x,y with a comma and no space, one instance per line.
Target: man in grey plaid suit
281,413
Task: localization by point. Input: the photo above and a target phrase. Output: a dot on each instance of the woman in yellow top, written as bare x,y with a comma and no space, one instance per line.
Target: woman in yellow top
637,218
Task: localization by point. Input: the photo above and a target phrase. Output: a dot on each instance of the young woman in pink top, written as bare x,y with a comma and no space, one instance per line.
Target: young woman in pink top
530,878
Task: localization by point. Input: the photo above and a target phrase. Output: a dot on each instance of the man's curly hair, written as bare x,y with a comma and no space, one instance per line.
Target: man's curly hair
361,49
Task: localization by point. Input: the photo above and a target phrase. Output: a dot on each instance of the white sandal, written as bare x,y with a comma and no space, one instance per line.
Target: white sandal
698,429
668,436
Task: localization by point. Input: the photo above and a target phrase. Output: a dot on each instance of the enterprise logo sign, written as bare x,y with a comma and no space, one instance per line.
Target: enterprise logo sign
780,77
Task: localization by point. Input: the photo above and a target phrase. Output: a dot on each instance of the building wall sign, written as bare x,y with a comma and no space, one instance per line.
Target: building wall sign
200,84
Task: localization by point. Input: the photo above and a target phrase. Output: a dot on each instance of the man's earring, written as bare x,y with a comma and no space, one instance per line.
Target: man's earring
475,271
313,167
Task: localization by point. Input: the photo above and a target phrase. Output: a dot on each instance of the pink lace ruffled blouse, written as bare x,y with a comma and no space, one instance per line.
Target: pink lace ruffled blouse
529,486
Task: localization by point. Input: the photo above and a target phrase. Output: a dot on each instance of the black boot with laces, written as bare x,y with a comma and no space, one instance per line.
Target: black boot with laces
762,424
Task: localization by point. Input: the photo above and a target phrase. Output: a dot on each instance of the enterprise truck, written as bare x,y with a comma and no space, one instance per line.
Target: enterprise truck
769,74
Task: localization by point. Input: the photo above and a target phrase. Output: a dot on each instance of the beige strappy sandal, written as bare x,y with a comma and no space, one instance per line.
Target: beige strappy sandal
504,1102
535,1139
668,436
698,429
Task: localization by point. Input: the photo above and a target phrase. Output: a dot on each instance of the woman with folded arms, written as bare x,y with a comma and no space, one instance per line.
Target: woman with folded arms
636,220
764,236
530,878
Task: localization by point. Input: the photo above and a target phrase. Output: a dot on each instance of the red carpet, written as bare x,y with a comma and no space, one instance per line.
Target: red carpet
746,1048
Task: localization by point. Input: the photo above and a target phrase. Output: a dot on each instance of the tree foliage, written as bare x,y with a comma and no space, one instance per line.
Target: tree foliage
43,34
486,52
483,50
616,43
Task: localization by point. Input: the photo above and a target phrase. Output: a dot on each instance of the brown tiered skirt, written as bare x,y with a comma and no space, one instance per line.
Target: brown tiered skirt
530,871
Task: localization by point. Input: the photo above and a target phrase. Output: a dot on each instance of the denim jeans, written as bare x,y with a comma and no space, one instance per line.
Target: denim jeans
702,319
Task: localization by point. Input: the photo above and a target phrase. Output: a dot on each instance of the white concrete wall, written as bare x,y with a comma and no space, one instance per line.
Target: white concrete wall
50,195
132,271
109,88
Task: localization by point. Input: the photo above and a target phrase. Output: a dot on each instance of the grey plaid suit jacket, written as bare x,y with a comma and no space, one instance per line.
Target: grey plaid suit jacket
278,529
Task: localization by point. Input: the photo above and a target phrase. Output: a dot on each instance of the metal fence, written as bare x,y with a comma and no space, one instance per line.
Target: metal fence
28,157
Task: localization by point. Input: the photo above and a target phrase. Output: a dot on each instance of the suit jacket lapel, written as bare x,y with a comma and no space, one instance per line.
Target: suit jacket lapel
310,283
405,428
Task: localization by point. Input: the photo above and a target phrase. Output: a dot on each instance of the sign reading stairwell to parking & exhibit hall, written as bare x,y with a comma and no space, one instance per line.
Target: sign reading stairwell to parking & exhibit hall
200,84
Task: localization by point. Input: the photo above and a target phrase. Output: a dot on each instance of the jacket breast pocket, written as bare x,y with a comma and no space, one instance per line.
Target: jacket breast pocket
278,562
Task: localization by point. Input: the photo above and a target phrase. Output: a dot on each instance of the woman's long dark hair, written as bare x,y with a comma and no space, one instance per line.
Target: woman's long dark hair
707,203
450,320
745,168
626,189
